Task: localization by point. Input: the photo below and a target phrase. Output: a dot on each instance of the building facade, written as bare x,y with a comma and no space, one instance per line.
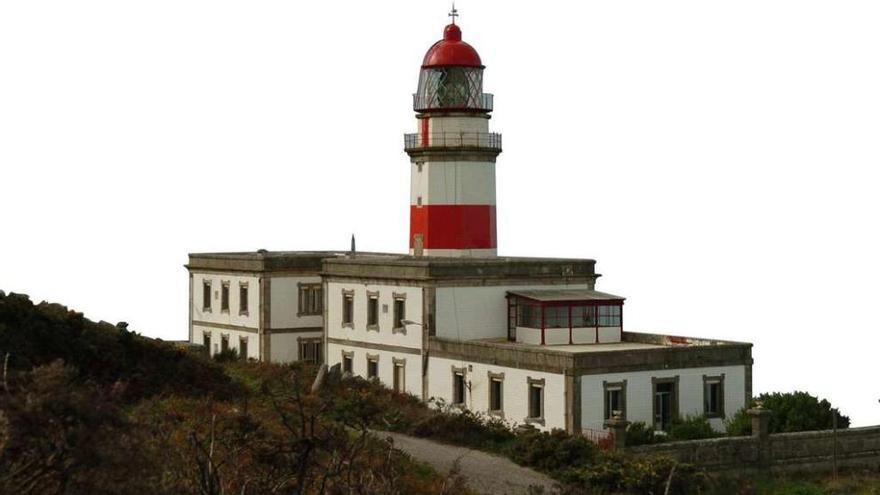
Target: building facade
529,340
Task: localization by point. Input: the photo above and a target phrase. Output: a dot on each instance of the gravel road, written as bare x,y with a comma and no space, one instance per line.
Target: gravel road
485,473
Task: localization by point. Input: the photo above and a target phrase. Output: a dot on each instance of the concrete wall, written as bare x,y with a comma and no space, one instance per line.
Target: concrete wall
515,390
465,313
640,393
783,452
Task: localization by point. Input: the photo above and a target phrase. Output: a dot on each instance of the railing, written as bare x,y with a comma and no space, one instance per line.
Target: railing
601,438
482,103
486,140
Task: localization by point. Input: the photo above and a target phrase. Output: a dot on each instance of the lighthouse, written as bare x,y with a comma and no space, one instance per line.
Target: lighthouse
452,154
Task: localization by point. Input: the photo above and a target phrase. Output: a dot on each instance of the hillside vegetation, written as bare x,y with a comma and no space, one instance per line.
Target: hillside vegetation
92,408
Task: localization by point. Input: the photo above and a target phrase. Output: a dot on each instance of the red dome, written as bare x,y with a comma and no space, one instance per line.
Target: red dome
451,51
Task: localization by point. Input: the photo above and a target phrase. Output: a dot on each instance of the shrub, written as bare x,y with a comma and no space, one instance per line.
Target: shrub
552,451
639,433
691,428
619,473
227,355
791,411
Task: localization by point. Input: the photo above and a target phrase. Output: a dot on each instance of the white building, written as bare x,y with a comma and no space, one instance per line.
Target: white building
527,339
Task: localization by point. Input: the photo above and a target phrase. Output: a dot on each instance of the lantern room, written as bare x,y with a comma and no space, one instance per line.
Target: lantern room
452,77
568,316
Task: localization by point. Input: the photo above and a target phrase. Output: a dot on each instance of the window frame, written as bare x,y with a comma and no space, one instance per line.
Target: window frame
459,390
398,385
372,359
398,298
347,308
493,379
243,298
206,340
535,383
347,357
224,296
243,347
206,295
607,388
224,342
373,311
310,291
708,382
673,402
302,343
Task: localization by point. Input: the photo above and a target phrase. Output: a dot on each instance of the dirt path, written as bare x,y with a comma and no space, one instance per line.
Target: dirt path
485,473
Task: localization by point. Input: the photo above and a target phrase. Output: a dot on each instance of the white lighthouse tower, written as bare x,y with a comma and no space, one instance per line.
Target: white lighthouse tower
452,199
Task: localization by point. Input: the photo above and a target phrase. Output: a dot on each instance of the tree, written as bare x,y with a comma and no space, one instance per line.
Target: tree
791,411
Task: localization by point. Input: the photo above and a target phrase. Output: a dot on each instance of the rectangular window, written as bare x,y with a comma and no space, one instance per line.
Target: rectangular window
399,375
458,386
536,401
529,315
372,366
347,362
348,308
399,312
243,348
713,396
242,298
372,310
556,317
496,393
583,316
224,343
310,350
311,299
206,295
206,341
224,297
615,399
609,316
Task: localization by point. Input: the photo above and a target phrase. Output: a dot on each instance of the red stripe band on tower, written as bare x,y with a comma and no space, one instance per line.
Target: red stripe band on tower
453,226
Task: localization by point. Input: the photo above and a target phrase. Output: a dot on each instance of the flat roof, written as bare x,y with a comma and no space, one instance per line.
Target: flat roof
554,295
574,348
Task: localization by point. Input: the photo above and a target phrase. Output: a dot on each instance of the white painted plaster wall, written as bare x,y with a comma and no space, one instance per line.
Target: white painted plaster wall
609,334
232,317
583,335
453,183
466,313
413,336
413,375
253,351
515,394
640,394
476,124
285,303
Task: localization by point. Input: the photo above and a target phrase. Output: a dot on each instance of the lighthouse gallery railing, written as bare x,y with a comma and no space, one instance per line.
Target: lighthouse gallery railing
488,140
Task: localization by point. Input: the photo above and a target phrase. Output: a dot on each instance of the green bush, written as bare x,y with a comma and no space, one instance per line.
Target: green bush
553,451
38,334
791,411
639,433
619,473
691,428
226,356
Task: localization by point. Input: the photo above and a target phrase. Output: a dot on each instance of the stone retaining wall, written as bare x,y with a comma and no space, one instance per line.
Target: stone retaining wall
803,451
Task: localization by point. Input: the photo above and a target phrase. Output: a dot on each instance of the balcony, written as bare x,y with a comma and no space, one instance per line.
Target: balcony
478,103
453,140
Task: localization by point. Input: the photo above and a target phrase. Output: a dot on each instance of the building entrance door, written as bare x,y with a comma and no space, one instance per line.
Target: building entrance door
663,395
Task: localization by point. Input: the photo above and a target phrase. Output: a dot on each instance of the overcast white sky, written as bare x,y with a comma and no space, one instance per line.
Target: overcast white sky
718,159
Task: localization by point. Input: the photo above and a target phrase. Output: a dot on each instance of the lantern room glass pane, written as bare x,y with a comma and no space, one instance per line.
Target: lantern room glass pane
450,87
